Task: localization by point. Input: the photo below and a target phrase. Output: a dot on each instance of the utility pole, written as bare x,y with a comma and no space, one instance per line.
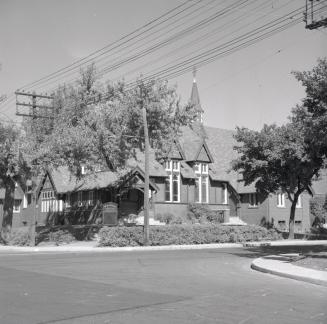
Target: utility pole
146,180
34,111
314,8
143,99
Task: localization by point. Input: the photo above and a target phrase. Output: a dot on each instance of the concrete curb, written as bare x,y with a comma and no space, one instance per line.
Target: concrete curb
280,266
75,249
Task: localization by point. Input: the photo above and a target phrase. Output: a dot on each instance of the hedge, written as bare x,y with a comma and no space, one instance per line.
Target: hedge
184,234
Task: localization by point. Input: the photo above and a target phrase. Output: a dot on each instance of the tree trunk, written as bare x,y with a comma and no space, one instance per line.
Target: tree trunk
8,207
291,222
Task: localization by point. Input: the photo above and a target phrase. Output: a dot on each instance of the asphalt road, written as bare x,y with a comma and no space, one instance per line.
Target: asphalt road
199,286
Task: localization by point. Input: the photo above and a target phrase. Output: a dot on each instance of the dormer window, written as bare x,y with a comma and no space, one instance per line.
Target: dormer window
172,183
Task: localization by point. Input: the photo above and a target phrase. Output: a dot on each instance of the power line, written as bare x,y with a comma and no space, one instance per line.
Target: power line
128,60
214,52
107,48
224,36
128,44
160,74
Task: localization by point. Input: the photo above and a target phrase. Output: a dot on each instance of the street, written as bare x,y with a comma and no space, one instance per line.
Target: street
199,286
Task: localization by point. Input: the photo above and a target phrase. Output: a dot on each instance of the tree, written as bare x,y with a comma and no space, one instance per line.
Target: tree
89,131
312,112
289,157
111,131
13,169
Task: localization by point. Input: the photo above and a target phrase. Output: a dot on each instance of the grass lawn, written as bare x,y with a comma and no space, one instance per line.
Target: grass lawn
313,260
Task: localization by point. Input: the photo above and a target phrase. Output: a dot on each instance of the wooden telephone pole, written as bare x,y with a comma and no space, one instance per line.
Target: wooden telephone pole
146,180
143,104
314,16
34,110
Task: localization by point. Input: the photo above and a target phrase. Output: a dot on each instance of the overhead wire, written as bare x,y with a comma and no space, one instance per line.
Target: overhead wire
168,40
208,35
234,45
94,55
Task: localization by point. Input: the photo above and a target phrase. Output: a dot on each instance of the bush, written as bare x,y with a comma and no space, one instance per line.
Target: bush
19,237
61,237
121,236
318,209
184,234
204,214
164,218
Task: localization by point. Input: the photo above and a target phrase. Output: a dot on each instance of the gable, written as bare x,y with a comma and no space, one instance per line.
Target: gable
135,179
176,152
47,185
203,155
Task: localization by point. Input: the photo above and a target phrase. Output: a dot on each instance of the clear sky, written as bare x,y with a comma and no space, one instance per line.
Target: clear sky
248,88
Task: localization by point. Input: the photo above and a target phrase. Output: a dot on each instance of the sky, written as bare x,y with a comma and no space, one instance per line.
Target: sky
251,87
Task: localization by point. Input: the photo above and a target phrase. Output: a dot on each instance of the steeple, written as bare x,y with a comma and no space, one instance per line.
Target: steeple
197,125
195,98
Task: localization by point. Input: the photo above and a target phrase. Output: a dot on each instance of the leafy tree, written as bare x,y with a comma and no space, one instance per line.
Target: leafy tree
110,131
13,169
289,157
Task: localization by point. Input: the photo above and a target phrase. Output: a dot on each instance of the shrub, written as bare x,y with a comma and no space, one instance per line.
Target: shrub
184,234
165,218
204,214
121,236
318,209
19,237
61,237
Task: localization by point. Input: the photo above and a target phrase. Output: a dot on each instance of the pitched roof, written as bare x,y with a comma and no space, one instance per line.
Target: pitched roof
65,181
156,169
186,171
220,143
190,143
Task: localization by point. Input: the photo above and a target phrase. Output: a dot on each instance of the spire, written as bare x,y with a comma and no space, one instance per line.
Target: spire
195,98
194,74
197,125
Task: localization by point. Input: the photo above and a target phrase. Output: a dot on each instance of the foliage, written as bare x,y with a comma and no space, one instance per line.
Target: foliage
165,217
318,209
184,234
61,237
19,237
108,132
121,236
196,214
13,169
204,214
287,158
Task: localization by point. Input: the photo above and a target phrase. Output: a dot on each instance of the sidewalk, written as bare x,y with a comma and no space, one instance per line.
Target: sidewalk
91,246
286,243
280,265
